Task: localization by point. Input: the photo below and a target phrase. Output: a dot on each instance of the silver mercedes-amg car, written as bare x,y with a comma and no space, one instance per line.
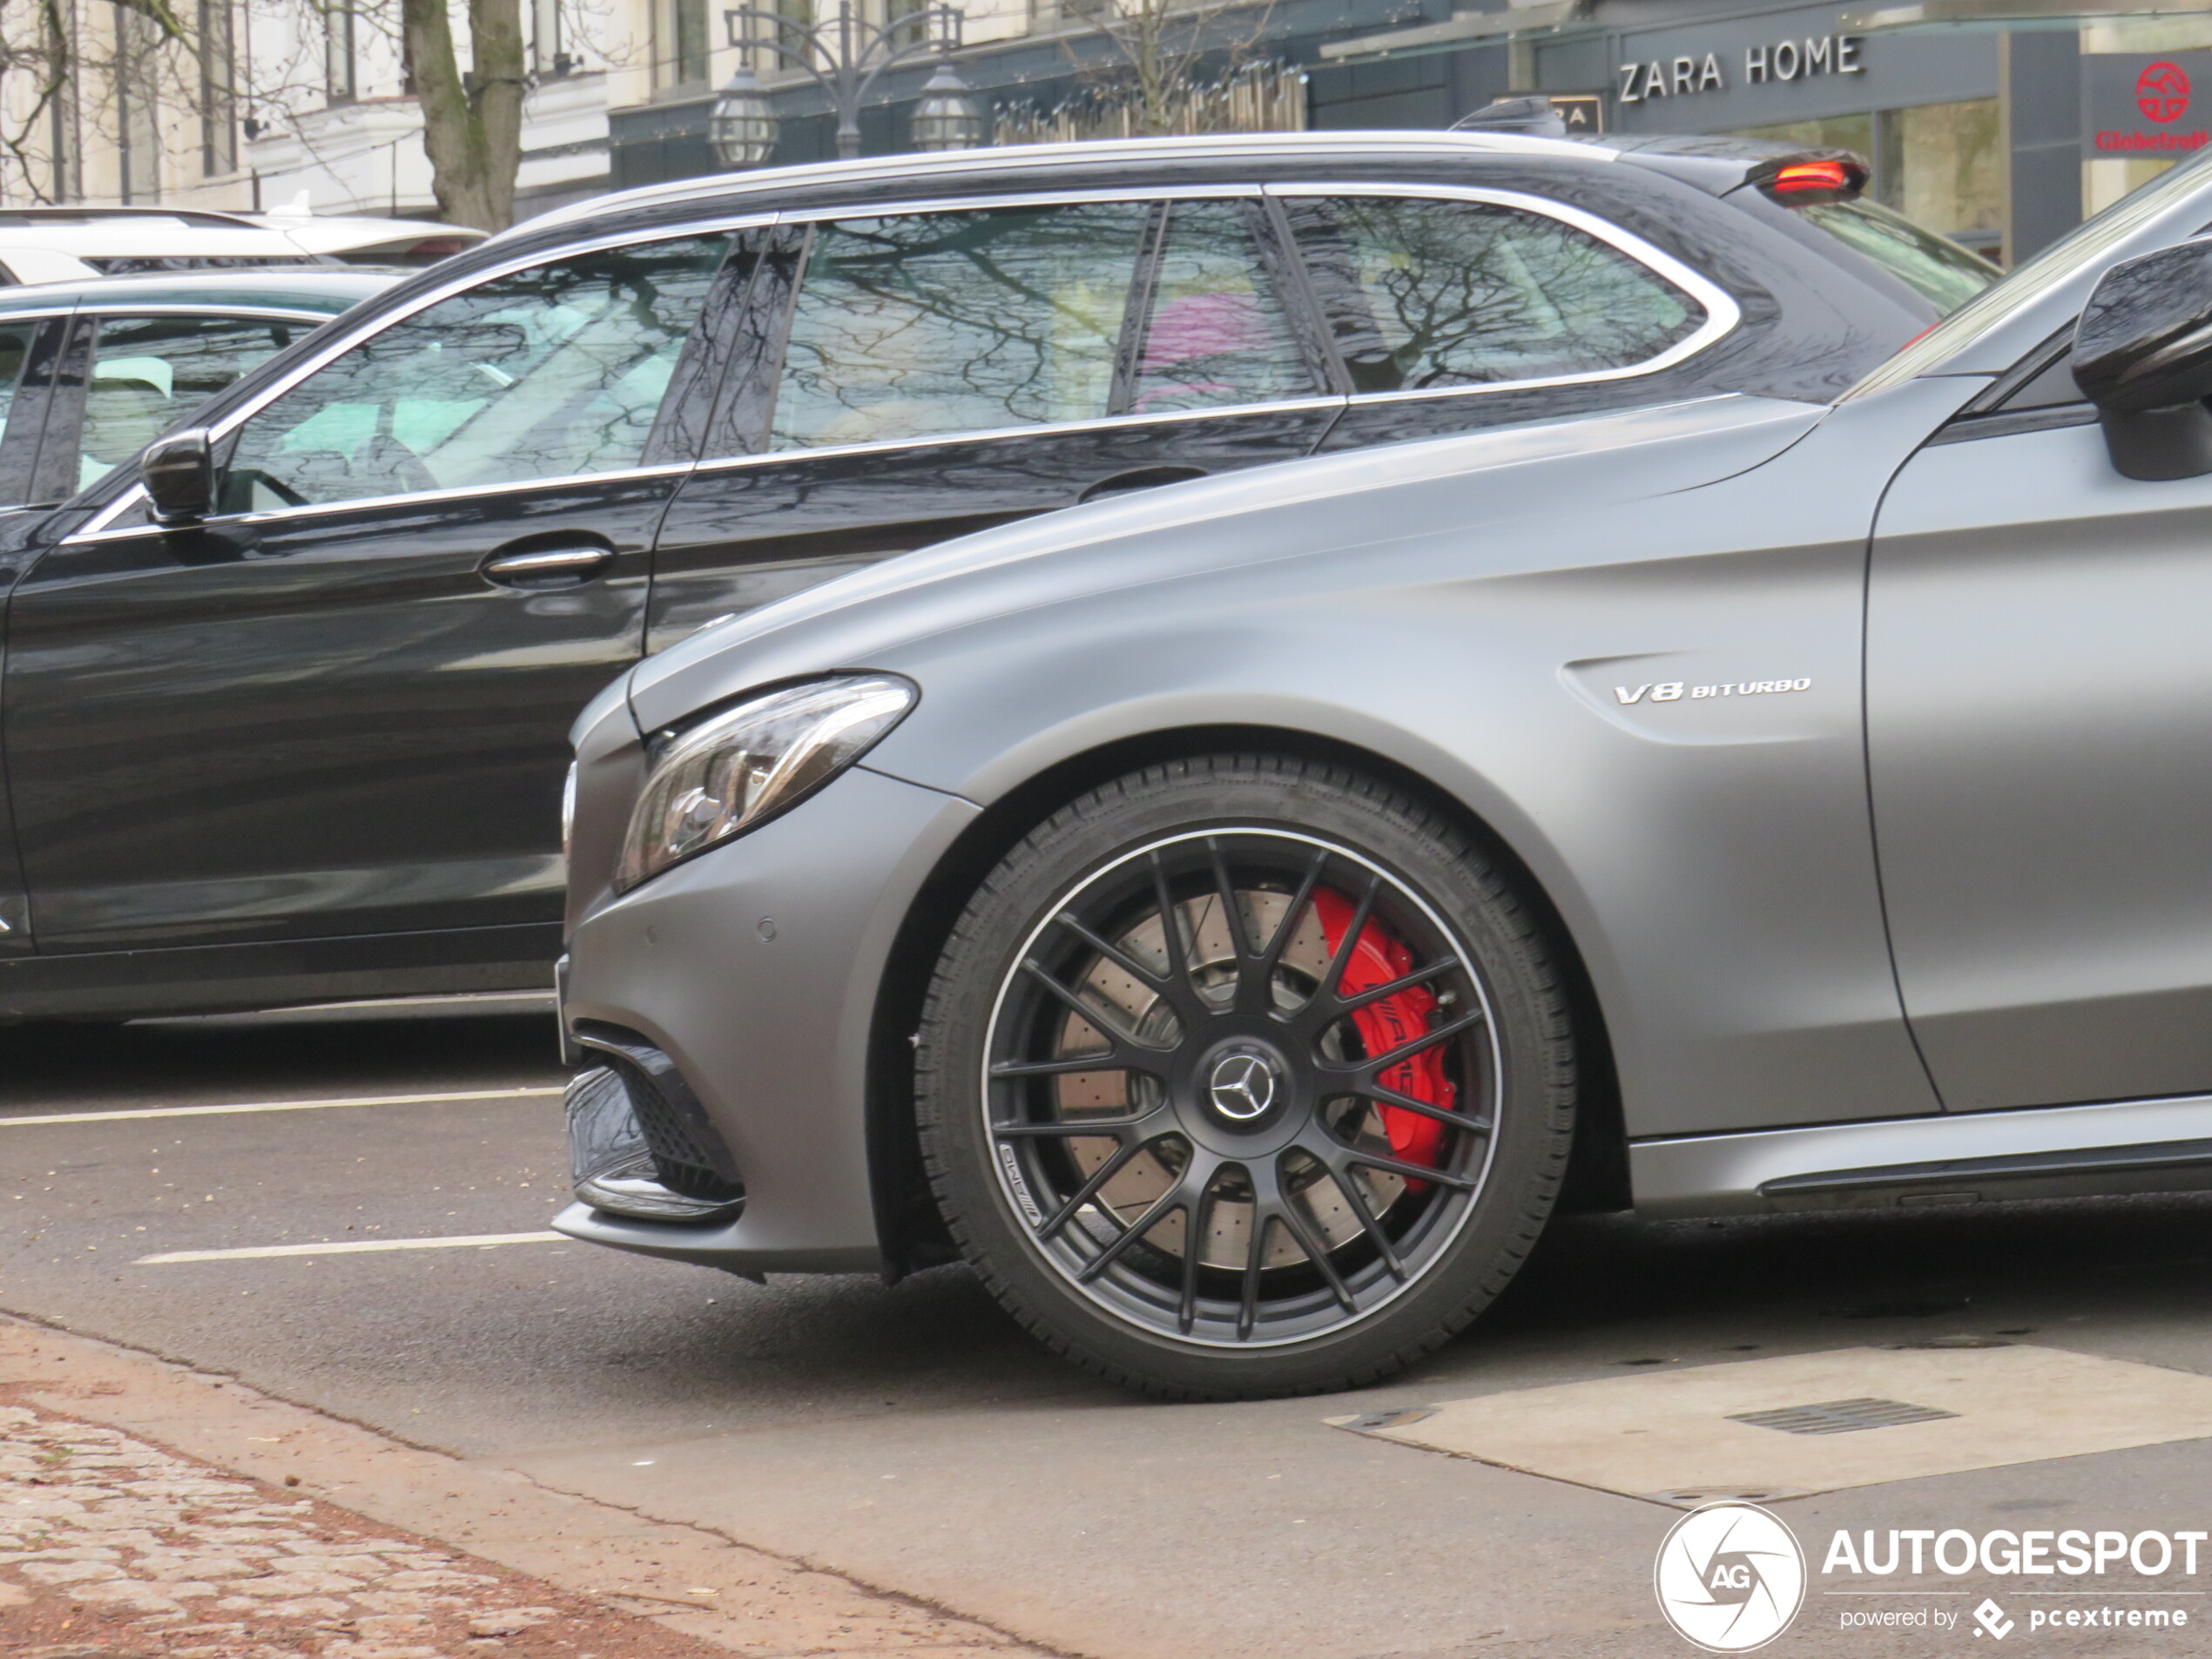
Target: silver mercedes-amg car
1234,919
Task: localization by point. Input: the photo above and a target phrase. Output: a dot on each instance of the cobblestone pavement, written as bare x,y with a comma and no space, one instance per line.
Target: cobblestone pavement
113,1549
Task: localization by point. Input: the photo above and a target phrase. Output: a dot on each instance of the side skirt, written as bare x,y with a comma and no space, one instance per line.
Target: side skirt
208,979
2050,1151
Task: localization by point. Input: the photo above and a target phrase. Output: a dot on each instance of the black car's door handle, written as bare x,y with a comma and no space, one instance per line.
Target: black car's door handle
549,567
1141,478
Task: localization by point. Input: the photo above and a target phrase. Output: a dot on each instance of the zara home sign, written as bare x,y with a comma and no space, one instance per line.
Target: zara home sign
1684,76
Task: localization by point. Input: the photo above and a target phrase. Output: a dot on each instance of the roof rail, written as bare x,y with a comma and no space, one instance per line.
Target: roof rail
90,215
949,166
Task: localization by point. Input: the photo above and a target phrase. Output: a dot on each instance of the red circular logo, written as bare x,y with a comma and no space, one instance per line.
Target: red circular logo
2161,92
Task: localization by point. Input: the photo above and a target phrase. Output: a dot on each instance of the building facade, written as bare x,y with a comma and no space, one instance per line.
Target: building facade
2003,140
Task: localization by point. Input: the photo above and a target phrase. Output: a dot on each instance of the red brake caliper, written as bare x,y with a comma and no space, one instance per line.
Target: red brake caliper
1376,960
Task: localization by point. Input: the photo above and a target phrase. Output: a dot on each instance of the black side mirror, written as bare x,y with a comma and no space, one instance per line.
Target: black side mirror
2142,354
179,476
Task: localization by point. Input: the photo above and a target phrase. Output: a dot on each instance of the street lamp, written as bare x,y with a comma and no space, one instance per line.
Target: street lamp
947,117
742,127
846,55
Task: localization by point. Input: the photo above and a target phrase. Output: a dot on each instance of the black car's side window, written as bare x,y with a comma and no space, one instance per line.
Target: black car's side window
913,325
548,373
148,373
1426,293
15,352
1214,330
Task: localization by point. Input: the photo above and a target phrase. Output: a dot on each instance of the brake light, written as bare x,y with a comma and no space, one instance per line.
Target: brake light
1811,175
1802,180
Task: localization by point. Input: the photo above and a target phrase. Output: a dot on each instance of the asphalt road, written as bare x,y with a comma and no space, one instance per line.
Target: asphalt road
910,1436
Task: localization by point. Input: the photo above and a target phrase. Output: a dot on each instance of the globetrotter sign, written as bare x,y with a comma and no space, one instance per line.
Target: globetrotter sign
2137,103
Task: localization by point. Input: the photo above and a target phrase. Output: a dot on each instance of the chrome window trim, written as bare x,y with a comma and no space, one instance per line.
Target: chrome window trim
334,349
44,313
98,530
243,313
1722,313
1042,428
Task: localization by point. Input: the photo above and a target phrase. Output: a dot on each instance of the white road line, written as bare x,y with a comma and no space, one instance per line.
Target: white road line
471,1241
276,1106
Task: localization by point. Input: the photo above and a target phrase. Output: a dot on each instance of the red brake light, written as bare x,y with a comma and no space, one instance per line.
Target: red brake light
1803,181
1812,175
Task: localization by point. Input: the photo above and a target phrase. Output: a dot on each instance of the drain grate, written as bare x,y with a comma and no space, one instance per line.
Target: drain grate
1840,1416
1368,1422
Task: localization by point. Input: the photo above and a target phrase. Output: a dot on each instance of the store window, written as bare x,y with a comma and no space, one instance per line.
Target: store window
680,43
1939,164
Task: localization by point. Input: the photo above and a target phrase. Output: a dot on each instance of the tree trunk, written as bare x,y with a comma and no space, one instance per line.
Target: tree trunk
472,129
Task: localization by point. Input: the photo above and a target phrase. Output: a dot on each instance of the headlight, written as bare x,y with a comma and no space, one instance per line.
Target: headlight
721,777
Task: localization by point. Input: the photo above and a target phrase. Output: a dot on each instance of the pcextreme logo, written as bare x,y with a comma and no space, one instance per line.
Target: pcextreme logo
1730,1577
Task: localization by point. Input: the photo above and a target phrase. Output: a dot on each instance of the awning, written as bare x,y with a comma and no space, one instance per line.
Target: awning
2012,16
1461,28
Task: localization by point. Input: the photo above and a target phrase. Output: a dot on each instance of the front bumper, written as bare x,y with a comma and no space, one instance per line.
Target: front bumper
755,968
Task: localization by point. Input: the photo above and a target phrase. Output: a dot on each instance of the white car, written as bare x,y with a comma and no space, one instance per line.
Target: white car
70,244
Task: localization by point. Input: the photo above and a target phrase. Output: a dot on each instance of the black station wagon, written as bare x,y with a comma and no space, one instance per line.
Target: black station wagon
287,702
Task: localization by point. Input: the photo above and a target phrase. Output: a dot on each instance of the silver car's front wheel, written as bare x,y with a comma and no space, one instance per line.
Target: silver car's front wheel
1221,1107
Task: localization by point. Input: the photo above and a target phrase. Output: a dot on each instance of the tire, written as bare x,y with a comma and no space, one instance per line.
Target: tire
1362,1174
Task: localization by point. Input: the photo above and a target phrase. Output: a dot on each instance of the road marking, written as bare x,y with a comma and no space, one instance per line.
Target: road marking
478,1241
277,1106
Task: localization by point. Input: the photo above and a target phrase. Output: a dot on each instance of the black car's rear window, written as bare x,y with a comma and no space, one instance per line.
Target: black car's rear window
1940,271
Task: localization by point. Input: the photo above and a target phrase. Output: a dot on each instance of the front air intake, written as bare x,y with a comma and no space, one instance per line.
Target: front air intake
640,1142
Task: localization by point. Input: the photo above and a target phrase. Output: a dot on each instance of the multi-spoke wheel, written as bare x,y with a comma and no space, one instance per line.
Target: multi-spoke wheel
1245,1076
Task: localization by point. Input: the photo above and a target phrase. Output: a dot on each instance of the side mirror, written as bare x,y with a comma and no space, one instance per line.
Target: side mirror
2142,354
179,476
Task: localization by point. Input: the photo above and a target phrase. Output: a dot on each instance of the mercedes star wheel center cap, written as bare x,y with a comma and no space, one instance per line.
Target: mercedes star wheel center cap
1242,1087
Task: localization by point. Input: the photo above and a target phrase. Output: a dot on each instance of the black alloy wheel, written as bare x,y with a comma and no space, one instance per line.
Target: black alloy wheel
1255,1088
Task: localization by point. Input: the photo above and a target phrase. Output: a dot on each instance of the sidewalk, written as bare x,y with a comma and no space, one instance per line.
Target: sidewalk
151,1512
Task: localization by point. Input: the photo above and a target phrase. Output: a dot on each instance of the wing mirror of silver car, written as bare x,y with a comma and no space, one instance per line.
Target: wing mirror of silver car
178,472
2142,354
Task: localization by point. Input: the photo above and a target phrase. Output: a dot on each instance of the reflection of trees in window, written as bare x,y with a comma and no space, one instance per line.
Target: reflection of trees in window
149,373
15,348
550,373
950,322
1435,293
1216,333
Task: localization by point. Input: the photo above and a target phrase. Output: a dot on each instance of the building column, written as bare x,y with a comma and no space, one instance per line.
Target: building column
2039,73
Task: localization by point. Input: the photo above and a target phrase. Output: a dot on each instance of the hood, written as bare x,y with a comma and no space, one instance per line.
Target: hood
1347,504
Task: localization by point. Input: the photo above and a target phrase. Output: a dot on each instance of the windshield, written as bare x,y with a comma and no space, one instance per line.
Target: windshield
1997,305
1938,269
